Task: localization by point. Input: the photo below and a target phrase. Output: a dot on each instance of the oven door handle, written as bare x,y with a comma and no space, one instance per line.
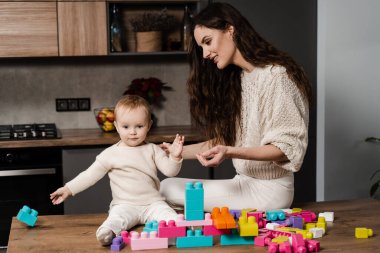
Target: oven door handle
30,172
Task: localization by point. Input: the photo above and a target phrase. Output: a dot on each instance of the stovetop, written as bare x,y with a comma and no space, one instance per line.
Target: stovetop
29,132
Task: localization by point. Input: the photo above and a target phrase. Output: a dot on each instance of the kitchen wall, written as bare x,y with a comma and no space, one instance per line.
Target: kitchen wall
29,87
348,97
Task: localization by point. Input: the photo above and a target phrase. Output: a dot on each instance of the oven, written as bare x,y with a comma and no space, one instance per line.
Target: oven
27,177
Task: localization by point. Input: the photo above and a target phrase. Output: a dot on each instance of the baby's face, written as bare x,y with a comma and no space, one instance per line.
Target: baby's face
132,125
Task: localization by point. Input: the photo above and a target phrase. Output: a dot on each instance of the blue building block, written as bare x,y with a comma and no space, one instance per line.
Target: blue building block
194,200
235,239
151,226
192,240
195,215
274,215
27,215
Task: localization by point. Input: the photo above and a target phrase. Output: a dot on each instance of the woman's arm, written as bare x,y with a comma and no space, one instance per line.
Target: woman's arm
189,151
216,155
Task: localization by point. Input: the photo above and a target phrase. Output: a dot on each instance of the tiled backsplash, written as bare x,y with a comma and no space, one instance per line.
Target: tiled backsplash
29,87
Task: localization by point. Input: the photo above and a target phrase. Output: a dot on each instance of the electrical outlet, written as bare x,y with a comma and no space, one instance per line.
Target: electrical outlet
84,104
61,105
72,104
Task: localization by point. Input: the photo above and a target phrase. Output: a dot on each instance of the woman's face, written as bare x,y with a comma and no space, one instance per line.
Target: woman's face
217,45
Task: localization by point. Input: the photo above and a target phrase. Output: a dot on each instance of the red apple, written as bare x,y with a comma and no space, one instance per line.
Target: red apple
110,116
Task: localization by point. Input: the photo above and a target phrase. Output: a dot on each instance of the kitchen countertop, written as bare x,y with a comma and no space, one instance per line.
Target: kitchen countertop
76,233
95,137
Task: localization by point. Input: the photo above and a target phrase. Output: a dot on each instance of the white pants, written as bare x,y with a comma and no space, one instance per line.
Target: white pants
236,193
124,216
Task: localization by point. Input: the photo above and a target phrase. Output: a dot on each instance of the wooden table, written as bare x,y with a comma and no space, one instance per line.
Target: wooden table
76,233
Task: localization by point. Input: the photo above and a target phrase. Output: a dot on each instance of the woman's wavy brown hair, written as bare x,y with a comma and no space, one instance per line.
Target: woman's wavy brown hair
215,95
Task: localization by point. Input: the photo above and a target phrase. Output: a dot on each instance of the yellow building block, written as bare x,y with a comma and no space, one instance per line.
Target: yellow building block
309,225
361,233
321,223
280,239
296,210
248,227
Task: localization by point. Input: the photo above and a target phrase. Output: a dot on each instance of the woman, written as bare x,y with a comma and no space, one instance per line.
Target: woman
252,102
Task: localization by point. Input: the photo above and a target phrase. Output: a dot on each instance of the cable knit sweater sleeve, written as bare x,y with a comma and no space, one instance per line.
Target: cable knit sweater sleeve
286,119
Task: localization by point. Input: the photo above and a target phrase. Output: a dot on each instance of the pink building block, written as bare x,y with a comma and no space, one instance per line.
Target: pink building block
298,244
181,222
148,241
285,247
273,247
170,230
262,240
211,230
312,245
126,236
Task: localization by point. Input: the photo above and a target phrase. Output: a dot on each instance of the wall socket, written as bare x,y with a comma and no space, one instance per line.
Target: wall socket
72,104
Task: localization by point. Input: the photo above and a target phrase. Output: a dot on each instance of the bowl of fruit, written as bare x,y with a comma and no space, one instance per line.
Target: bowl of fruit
105,117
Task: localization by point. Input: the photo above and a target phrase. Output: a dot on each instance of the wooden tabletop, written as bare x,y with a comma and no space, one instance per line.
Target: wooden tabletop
76,233
95,137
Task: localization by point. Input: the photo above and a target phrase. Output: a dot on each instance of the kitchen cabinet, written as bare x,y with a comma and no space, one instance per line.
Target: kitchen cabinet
28,29
82,28
172,42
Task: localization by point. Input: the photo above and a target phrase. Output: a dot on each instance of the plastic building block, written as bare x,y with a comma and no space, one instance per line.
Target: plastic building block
259,218
27,215
194,239
321,223
262,240
245,211
194,201
317,232
296,222
222,219
285,247
170,230
235,213
309,225
211,230
248,226
361,233
307,216
280,239
181,222
147,241
151,226
117,243
296,210
329,216
312,245
272,226
298,243
126,236
273,247
274,215
235,239
287,210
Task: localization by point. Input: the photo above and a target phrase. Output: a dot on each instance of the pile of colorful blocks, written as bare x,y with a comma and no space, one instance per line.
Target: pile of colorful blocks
286,230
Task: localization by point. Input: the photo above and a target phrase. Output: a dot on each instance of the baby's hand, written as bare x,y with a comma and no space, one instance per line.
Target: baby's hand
176,147
60,195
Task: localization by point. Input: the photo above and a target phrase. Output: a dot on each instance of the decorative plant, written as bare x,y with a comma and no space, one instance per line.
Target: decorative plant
375,186
149,88
154,21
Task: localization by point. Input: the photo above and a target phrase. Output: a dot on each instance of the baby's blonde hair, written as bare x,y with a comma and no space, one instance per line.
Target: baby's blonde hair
133,102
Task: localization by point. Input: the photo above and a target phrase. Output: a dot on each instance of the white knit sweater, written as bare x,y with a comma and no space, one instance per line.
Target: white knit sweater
132,172
273,112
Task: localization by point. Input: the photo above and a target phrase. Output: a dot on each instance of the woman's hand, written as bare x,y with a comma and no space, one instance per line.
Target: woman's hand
175,149
60,195
214,156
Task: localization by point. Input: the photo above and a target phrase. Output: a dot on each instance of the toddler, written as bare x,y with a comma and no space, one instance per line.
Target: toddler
131,165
